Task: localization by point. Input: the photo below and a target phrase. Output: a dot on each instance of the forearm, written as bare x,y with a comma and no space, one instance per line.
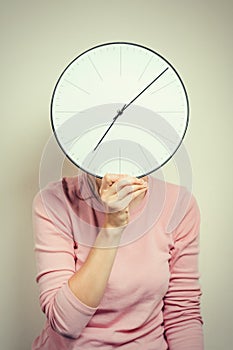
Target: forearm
186,336
89,282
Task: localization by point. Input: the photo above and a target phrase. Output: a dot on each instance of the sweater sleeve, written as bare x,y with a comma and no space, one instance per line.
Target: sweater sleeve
55,261
182,318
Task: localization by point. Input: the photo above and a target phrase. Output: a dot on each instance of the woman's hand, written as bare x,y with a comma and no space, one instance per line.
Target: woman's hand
116,192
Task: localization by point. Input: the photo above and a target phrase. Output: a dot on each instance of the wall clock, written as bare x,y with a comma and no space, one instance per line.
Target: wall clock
119,108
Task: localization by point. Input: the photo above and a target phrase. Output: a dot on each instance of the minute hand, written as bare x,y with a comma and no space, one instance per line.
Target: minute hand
120,112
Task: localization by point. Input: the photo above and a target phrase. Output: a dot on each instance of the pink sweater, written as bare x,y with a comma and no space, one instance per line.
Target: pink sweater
152,299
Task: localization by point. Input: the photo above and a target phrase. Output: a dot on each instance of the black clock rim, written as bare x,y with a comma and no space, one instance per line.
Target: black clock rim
119,43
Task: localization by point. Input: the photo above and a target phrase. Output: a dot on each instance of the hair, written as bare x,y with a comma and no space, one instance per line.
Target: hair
90,185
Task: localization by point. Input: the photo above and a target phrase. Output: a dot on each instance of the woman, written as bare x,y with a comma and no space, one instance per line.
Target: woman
117,262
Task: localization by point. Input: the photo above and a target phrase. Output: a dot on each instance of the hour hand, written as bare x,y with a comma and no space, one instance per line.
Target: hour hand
119,112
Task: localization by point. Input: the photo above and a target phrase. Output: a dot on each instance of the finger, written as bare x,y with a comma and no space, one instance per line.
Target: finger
108,180
135,194
127,181
113,182
123,203
127,190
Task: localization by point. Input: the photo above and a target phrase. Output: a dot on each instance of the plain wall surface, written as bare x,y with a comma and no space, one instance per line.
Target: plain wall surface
38,40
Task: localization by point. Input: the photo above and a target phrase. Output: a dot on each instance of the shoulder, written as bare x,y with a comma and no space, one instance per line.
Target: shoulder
51,193
66,187
179,204
55,196
51,207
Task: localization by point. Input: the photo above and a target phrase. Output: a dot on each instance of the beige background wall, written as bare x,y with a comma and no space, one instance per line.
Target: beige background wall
38,39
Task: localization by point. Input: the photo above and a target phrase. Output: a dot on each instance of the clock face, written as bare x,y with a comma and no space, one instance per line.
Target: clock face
119,108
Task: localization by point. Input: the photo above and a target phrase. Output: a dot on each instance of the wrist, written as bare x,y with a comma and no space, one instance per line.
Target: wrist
109,236
111,228
118,219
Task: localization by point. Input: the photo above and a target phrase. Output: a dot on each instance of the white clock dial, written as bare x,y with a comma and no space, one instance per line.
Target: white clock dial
96,86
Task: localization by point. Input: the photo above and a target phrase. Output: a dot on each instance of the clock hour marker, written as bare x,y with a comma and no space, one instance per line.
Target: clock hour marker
78,87
91,160
145,68
153,92
67,111
145,156
163,137
169,111
95,68
153,81
70,141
